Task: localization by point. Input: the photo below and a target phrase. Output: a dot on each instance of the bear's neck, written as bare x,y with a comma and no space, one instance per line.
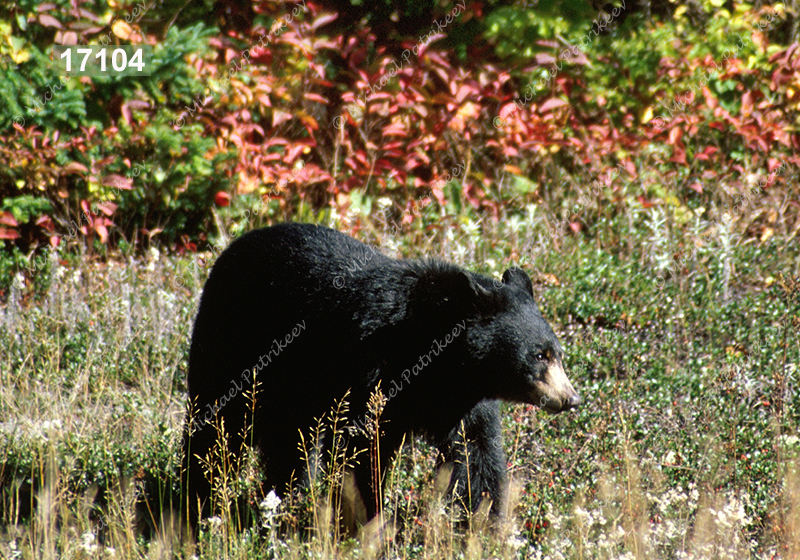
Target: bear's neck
416,359
417,367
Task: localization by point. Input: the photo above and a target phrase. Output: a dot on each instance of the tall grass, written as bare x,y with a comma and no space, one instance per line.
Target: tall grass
686,446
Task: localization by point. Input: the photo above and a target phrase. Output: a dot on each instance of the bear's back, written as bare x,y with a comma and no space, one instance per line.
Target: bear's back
298,253
269,280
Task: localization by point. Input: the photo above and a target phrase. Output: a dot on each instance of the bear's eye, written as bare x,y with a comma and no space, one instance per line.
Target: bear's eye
540,357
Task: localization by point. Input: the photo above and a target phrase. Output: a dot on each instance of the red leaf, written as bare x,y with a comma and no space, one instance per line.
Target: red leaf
49,21
46,222
101,229
293,152
7,219
277,141
8,233
431,39
576,142
324,19
262,55
506,110
108,208
395,129
747,104
279,117
675,134
69,38
463,93
711,101
117,181
543,59
222,198
88,15
679,156
316,97
73,167
552,103
644,202
698,187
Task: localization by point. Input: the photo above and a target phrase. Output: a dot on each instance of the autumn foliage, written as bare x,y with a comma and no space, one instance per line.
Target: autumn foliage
286,108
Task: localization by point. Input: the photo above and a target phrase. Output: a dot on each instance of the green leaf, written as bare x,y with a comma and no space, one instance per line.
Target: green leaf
523,185
453,192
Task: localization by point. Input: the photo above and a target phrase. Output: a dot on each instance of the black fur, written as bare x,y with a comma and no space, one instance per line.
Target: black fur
365,318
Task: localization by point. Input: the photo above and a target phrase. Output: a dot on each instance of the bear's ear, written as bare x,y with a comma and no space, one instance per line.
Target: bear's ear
452,288
469,288
518,277
469,294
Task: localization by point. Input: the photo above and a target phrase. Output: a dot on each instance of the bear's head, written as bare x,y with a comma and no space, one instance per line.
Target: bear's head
517,346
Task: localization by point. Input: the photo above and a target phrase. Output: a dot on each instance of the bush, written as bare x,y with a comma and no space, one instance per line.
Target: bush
109,157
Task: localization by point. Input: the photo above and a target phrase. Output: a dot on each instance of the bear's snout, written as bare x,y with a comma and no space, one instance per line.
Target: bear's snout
558,394
573,402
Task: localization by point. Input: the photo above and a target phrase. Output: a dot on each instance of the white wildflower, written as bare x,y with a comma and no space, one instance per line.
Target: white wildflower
460,252
391,245
154,256
516,541
694,495
472,228
530,215
271,502
88,542
584,516
58,270
48,425
15,552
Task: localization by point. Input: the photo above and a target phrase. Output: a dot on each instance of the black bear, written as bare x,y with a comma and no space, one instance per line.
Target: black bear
314,313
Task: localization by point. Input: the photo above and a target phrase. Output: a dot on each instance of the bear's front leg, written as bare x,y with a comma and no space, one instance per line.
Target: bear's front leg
479,465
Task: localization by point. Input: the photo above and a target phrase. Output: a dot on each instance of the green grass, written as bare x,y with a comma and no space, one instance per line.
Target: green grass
686,445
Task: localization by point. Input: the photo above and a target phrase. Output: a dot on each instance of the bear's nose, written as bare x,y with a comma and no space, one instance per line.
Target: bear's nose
573,402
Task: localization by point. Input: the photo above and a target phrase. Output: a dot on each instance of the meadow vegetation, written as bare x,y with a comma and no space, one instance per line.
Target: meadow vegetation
639,160
686,445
